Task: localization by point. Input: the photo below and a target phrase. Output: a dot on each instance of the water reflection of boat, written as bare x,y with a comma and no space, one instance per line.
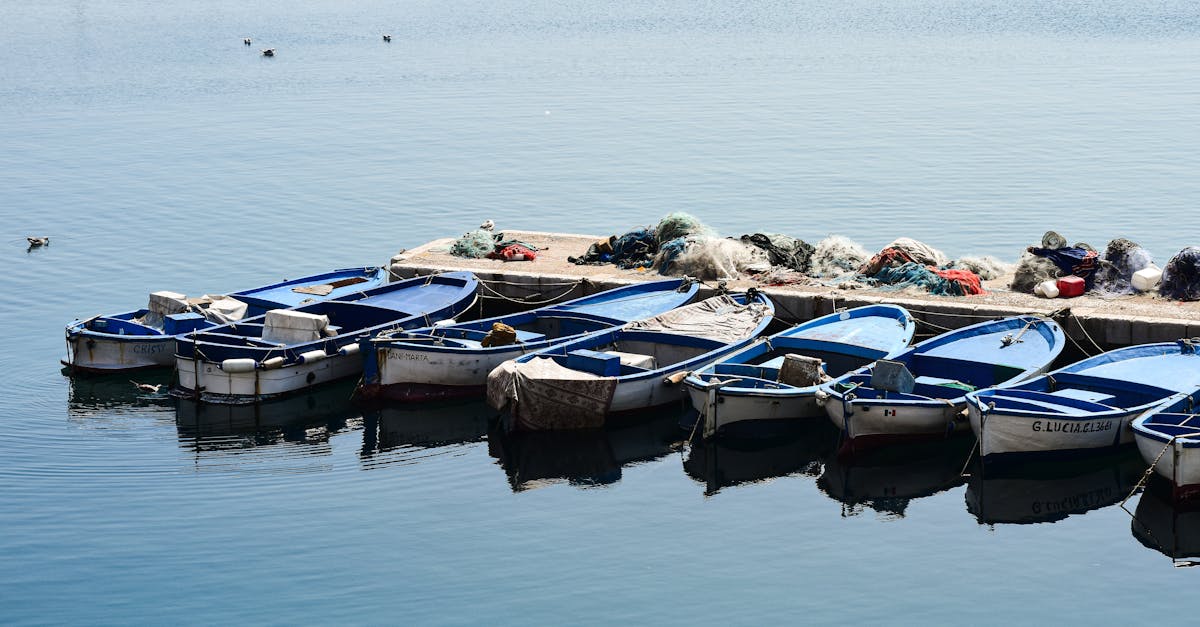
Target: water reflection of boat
582,457
1051,491
309,417
1170,529
104,394
721,463
887,479
424,425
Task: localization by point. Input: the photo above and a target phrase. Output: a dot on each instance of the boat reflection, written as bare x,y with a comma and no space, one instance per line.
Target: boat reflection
888,479
726,462
582,458
1049,492
96,395
391,431
1169,528
308,418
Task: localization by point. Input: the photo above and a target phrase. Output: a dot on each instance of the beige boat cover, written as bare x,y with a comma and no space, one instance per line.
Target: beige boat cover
718,318
542,395
285,326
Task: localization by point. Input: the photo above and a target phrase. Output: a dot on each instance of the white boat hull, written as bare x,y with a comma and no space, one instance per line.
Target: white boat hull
878,422
219,386
1004,433
99,354
718,409
409,374
1178,464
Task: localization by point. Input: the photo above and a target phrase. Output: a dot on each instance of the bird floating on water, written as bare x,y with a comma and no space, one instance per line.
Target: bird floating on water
487,225
268,52
37,242
146,387
246,41
387,37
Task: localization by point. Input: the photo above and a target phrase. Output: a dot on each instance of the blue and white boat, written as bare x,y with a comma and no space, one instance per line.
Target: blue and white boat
777,378
1085,407
640,365
1168,438
286,350
453,361
145,338
921,393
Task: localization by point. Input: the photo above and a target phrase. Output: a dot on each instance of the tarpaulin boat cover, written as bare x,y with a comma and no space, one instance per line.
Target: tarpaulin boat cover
224,309
718,318
542,394
163,304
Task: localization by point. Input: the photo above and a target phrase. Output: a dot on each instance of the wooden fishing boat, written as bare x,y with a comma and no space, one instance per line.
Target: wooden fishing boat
453,361
1168,437
145,338
1085,407
921,393
294,349
640,365
777,378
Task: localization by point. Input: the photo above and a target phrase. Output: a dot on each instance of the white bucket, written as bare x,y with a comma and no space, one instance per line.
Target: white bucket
1147,278
1046,289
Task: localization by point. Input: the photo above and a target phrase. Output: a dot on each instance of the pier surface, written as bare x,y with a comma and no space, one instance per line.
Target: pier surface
1092,321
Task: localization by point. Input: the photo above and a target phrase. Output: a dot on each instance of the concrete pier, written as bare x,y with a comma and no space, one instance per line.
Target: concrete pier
1093,323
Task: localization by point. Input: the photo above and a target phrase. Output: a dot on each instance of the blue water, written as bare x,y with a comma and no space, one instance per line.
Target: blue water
158,152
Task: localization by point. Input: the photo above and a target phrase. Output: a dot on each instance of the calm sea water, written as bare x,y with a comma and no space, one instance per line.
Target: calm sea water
158,152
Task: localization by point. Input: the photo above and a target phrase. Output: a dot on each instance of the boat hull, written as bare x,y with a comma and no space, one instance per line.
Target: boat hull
749,412
89,352
871,424
412,374
211,384
1010,434
1177,461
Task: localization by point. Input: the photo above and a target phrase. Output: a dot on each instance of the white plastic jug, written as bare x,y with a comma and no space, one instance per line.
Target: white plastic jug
1046,289
1147,278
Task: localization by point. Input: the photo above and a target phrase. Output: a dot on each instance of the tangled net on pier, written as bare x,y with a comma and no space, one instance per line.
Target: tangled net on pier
1122,258
836,255
1181,276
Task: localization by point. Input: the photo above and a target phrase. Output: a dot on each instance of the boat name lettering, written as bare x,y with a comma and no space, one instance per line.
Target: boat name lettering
149,349
1057,426
403,356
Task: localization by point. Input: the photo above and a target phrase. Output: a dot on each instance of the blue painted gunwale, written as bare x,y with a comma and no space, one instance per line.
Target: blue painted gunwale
411,303
833,333
1138,378
968,355
1165,421
120,328
716,349
589,314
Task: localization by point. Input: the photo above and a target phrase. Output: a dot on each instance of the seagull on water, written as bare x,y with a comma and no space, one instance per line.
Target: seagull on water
387,37
37,242
487,225
246,41
146,387
268,52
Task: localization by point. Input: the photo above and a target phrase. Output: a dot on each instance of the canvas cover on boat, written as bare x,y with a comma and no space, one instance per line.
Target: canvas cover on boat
718,318
293,327
543,395
224,309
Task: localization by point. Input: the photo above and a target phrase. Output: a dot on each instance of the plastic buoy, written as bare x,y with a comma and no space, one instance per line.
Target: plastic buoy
241,364
349,349
1147,278
311,356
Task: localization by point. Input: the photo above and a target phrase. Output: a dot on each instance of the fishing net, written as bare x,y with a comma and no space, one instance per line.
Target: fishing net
1032,270
680,224
1181,277
937,282
901,251
782,250
708,257
1123,258
987,267
837,255
1076,260
476,244
635,249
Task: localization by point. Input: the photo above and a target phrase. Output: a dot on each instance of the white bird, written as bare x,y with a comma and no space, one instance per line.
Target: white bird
35,242
387,37
487,225
268,52
246,41
146,387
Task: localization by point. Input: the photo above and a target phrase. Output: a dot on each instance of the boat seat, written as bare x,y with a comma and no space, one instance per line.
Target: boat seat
775,363
1084,395
529,336
949,383
635,360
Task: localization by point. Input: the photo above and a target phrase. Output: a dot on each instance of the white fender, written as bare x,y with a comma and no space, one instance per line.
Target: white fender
312,356
349,349
242,364
273,363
